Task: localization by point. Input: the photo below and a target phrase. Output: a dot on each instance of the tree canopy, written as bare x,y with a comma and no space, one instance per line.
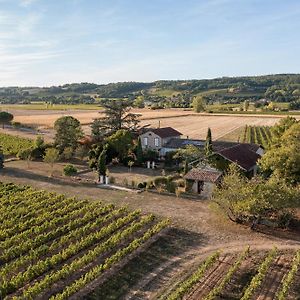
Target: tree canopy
5,118
68,132
283,158
117,116
198,104
242,198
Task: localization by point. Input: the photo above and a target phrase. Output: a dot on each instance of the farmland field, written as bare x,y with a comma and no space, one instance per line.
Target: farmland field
186,121
63,244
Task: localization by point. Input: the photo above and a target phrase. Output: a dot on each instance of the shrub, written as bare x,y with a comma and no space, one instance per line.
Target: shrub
112,179
178,192
180,182
171,186
70,170
68,153
24,154
142,185
125,181
159,181
150,184
16,124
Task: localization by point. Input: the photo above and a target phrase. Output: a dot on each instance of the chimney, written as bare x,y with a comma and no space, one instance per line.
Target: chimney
187,137
158,123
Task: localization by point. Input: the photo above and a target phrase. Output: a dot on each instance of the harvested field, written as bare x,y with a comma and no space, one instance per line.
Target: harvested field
189,123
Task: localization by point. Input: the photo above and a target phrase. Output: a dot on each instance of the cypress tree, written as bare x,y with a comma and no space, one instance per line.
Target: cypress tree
101,167
139,152
1,159
208,143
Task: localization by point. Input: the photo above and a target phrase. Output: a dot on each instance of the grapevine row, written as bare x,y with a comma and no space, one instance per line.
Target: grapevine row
289,278
261,273
68,269
186,285
109,262
218,289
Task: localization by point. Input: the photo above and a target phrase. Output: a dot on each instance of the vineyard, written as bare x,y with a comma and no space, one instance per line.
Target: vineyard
261,135
62,245
246,275
11,145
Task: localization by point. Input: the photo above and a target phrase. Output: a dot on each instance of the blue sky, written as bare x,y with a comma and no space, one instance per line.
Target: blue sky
49,42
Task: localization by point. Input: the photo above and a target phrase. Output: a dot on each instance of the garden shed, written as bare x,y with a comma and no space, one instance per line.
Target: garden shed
202,180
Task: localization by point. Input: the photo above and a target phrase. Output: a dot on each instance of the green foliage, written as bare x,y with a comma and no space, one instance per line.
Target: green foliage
208,143
198,104
228,276
139,153
139,102
242,198
261,273
189,153
54,231
39,142
283,158
121,142
68,132
289,278
1,159
117,117
51,156
11,145
25,154
5,118
246,105
70,170
68,153
101,167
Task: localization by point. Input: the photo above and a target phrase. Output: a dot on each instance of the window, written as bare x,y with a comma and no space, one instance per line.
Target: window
145,141
156,142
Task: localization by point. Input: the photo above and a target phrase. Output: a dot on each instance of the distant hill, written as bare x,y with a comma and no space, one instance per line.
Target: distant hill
178,93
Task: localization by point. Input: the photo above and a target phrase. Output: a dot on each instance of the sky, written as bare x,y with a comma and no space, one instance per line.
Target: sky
53,42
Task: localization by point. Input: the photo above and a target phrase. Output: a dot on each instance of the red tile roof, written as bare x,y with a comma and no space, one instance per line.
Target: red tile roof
241,154
203,175
166,132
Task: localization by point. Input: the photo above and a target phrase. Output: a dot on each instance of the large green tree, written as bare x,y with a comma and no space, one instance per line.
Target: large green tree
121,142
198,104
283,158
68,132
242,198
5,118
116,117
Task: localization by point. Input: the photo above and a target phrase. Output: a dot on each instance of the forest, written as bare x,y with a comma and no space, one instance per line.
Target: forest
166,93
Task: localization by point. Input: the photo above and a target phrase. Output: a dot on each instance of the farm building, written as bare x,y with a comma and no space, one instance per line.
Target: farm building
244,155
203,180
156,139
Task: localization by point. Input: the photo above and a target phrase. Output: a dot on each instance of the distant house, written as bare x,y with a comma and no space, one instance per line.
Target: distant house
156,139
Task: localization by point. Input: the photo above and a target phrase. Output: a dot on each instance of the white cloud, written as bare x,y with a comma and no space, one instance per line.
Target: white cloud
26,3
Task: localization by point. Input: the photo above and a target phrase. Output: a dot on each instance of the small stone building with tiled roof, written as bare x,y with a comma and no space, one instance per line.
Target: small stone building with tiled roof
203,180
